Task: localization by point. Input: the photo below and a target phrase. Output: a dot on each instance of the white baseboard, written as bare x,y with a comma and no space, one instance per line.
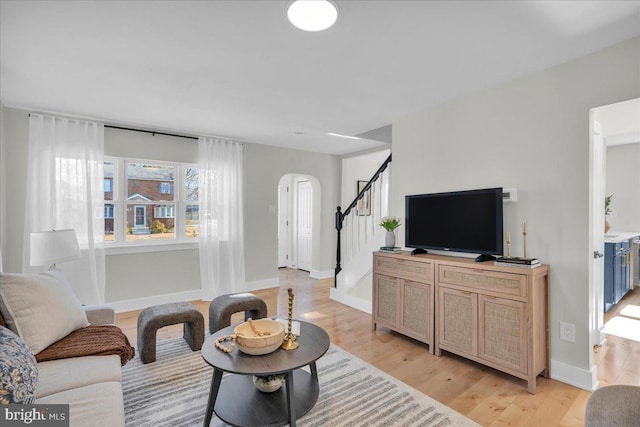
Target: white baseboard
357,303
194,295
138,303
273,282
321,274
577,377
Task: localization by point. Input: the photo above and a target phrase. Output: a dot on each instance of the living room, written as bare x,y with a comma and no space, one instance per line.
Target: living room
524,127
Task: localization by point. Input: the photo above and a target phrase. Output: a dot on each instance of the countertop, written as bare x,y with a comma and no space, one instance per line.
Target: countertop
620,236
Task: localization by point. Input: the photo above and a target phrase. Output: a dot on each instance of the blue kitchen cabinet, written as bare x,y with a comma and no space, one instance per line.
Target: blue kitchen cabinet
617,280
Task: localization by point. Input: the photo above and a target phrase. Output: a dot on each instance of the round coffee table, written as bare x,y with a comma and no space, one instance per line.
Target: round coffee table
236,400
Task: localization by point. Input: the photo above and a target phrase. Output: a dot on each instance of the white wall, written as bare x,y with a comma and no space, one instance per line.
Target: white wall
623,182
16,137
264,166
531,134
143,275
2,187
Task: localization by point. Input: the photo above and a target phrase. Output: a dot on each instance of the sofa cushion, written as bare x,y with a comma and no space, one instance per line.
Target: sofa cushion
66,374
18,370
92,405
40,308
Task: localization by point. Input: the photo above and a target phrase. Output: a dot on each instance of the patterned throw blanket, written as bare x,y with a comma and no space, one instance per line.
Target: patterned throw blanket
90,341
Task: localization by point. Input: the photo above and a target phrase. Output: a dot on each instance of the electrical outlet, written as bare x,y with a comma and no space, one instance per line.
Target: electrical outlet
567,332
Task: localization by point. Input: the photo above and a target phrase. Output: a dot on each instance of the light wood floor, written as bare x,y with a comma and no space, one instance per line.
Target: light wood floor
618,360
489,397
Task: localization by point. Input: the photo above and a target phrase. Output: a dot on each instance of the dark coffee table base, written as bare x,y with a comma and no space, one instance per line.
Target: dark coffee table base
235,399
241,404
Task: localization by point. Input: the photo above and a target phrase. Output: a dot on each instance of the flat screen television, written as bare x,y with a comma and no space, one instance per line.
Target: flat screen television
459,221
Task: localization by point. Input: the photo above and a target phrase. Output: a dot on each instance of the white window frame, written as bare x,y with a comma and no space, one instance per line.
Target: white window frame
165,211
120,244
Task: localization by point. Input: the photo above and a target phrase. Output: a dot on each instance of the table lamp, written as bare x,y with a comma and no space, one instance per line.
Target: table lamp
51,247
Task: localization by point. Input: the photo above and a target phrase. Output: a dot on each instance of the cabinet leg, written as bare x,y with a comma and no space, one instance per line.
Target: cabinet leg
531,385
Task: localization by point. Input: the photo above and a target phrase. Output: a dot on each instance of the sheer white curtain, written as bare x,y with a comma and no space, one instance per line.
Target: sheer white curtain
221,220
65,189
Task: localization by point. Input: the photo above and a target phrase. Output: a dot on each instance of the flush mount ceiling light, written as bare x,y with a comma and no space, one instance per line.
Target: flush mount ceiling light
312,15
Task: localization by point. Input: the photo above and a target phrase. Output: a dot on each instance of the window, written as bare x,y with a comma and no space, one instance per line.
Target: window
109,194
165,188
164,211
192,209
160,202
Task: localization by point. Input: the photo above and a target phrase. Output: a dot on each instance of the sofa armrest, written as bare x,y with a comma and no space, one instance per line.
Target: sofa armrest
102,314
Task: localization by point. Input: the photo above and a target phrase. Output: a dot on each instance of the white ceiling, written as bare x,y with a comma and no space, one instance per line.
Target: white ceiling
239,69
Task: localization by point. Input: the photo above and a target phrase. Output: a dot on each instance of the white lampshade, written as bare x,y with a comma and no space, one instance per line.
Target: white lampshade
312,15
51,247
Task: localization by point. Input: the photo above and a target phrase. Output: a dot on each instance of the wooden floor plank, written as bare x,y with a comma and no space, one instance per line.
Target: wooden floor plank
487,396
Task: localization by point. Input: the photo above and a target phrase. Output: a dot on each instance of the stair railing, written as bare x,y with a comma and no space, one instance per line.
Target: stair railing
359,220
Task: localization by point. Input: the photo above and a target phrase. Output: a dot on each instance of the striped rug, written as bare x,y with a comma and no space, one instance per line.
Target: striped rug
173,392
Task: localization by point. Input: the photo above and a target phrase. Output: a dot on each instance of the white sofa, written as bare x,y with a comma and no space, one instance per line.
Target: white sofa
91,385
40,310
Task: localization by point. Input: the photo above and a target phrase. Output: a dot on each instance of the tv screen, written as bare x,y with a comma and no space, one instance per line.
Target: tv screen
460,221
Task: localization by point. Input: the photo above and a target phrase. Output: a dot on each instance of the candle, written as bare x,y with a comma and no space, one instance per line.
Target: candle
524,227
508,236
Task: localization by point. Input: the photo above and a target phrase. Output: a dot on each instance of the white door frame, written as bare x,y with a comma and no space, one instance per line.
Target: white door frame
304,225
135,216
597,176
289,237
285,253
597,193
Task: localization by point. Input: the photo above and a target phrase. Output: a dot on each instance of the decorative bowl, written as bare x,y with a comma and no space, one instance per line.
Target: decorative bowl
249,342
268,384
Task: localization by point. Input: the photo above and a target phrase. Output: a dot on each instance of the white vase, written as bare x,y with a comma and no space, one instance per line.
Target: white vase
267,387
390,239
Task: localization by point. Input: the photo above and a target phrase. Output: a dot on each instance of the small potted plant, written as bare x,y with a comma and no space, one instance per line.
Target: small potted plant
390,223
607,211
269,383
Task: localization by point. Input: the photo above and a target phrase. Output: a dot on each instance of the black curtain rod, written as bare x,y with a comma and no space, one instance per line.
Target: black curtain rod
147,131
151,132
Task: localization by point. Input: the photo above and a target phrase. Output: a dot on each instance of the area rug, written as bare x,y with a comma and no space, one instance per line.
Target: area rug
173,391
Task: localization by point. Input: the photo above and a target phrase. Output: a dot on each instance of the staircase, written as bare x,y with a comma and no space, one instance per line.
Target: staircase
359,235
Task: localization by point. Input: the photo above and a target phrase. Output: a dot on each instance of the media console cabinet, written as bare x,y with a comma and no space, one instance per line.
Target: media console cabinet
497,316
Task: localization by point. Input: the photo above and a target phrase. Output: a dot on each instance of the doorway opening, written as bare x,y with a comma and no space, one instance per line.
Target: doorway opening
614,158
298,221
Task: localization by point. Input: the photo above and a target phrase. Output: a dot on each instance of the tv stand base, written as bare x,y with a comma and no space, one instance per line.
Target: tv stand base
419,251
485,257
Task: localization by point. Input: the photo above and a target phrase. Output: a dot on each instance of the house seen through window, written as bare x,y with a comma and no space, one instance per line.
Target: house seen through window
157,202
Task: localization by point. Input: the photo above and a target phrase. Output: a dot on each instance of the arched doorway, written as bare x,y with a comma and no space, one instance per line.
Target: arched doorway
298,221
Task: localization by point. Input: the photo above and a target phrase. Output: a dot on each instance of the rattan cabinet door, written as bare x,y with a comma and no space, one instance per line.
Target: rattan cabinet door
502,333
458,321
386,303
416,310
